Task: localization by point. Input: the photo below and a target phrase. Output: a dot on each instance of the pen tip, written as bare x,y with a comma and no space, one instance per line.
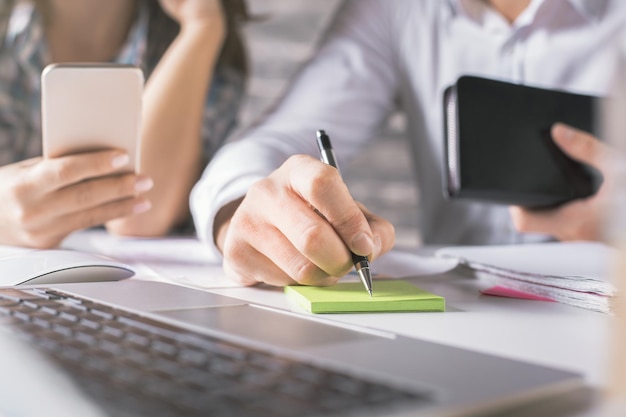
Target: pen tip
370,291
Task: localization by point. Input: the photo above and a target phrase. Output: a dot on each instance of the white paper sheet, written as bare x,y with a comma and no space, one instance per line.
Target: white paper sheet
575,273
184,260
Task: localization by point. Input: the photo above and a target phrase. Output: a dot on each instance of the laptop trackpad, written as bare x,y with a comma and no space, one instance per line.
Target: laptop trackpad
266,326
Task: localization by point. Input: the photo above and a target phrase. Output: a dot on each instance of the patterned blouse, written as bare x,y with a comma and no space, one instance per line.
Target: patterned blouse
23,55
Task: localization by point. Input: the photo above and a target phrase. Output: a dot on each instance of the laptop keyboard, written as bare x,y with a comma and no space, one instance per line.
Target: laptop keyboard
131,365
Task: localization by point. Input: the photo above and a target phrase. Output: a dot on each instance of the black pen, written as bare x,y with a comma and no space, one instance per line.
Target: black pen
361,263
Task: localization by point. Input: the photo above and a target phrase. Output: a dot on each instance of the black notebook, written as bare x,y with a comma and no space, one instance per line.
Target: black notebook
498,146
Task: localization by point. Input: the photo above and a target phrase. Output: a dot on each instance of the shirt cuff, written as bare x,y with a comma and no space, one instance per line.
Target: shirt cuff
205,204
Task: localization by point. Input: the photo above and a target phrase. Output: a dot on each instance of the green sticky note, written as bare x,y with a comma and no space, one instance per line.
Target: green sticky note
351,297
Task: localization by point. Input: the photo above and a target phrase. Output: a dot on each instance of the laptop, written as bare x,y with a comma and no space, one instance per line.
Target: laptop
139,348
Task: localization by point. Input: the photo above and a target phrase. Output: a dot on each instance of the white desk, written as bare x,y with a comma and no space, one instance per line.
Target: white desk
546,333
541,332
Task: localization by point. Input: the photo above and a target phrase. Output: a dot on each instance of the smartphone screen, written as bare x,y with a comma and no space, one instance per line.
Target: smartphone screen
90,107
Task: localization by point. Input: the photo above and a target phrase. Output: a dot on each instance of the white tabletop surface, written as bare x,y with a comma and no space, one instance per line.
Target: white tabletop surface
542,332
537,331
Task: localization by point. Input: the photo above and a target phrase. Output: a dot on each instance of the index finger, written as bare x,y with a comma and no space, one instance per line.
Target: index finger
322,187
57,173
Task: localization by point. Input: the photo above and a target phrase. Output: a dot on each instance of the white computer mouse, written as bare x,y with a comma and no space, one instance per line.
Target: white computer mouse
57,266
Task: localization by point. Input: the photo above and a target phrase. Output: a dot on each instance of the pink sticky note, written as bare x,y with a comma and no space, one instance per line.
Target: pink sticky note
500,291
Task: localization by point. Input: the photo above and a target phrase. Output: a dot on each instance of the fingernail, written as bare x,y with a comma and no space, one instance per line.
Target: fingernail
144,184
362,244
378,245
120,161
142,207
564,131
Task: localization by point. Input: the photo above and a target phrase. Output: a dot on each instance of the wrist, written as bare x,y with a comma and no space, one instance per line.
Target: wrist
211,28
222,221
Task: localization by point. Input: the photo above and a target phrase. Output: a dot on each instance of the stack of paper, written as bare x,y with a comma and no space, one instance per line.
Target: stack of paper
575,273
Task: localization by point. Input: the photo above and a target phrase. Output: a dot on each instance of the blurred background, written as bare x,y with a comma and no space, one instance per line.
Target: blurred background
278,44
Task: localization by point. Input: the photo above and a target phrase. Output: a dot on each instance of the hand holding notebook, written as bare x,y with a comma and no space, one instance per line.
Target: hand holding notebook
498,144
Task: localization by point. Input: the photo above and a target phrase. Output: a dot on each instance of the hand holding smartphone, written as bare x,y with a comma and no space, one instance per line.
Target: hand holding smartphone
91,107
91,113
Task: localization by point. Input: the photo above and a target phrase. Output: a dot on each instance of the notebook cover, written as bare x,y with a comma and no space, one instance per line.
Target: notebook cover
498,145
351,297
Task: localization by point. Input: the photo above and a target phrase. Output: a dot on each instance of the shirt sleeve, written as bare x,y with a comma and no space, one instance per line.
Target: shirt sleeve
348,89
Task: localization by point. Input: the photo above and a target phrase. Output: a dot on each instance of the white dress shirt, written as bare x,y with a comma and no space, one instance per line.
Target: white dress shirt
380,54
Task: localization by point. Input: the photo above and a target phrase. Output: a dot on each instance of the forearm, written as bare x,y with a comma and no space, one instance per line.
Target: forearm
171,148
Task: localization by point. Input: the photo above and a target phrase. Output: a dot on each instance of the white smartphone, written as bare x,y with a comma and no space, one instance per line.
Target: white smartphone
90,107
